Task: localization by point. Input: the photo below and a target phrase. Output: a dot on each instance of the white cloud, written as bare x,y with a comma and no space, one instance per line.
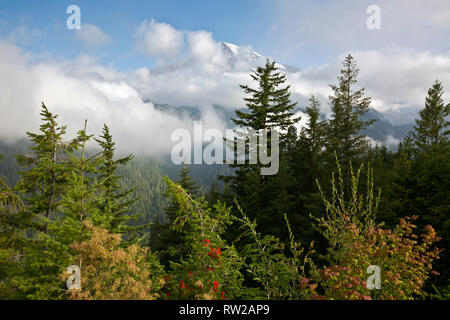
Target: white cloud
91,36
208,52
400,79
78,90
15,89
159,39
209,74
373,143
191,86
395,78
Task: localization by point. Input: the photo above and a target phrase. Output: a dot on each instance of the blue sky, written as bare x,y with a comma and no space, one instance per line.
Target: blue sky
240,22
299,32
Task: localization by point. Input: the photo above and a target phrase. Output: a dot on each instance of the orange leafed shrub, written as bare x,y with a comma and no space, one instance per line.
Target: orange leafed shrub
405,261
109,272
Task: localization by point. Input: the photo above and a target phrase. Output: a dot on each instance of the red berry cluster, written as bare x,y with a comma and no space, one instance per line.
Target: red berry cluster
215,252
185,289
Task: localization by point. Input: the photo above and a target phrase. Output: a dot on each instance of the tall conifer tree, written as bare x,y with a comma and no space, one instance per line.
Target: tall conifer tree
267,107
114,206
45,171
348,106
433,126
430,192
165,238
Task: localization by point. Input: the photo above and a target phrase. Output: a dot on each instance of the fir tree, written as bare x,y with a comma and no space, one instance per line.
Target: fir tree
213,193
189,186
42,184
43,180
312,140
47,257
82,200
165,238
268,107
114,206
432,128
11,238
348,106
308,166
429,194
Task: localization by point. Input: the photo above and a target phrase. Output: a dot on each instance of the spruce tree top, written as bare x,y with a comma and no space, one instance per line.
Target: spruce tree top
269,105
432,127
187,183
348,107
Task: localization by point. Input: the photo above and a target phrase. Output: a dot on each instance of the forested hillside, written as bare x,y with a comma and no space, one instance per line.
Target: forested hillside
142,173
337,206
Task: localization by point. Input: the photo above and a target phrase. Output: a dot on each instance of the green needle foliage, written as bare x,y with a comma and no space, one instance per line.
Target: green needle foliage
168,241
269,106
74,204
43,179
118,201
348,106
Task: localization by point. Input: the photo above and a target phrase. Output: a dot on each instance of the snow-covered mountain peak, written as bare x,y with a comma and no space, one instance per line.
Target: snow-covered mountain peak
232,47
237,50
230,56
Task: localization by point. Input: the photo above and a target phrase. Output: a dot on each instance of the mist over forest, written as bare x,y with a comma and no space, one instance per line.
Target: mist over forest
243,150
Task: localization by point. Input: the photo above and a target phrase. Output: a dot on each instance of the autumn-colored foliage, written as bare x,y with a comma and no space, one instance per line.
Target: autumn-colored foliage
357,242
405,260
110,272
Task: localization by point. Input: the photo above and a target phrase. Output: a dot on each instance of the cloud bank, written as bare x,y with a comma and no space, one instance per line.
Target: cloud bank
78,90
159,40
206,72
201,72
397,78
